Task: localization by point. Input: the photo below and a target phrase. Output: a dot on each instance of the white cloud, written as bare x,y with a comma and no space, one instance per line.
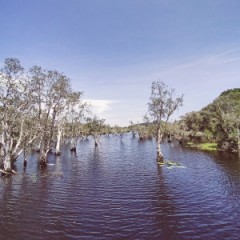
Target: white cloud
100,106
115,112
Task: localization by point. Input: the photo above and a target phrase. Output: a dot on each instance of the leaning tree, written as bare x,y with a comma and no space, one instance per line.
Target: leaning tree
163,103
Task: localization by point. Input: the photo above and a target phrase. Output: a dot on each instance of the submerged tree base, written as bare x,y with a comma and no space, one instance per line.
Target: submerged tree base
73,149
57,153
43,162
25,163
170,165
7,173
160,158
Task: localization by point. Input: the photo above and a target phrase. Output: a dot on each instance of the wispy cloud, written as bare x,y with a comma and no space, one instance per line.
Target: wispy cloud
201,78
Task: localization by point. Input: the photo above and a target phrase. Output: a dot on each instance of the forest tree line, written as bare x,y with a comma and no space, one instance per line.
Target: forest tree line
218,122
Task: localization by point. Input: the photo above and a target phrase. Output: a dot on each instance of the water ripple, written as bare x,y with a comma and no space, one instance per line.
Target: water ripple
118,191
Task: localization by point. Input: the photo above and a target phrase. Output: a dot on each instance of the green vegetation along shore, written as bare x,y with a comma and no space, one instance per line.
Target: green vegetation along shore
203,146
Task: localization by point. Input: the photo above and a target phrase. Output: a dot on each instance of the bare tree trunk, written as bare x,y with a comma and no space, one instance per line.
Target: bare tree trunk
38,148
10,153
58,151
44,149
96,139
238,139
73,144
24,157
1,151
169,137
46,140
43,156
159,139
7,163
7,156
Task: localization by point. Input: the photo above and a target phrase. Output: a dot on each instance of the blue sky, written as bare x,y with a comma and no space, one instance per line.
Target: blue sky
113,50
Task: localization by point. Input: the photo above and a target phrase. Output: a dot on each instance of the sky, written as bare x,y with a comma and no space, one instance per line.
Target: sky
113,50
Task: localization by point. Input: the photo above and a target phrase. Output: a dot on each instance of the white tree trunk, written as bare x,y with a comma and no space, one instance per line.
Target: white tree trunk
159,152
7,149
238,139
44,149
73,144
7,163
43,156
9,152
38,147
59,136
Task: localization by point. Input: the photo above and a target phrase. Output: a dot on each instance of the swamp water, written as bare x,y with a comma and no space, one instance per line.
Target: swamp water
118,191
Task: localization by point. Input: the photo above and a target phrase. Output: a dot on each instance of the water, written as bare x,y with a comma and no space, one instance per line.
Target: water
118,191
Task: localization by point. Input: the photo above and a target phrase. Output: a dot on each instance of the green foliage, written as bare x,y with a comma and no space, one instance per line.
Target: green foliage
143,130
230,92
119,130
95,126
219,121
163,102
203,146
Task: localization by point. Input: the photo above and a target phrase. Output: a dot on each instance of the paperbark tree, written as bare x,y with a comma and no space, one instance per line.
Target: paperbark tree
17,112
162,105
51,90
34,108
74,116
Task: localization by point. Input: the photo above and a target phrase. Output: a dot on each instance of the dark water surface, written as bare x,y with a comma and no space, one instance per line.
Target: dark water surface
118,191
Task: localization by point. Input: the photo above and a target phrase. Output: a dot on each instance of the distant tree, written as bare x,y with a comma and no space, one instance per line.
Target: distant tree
132,128
95,127
162,105
74,116
228,123
120,130
108,130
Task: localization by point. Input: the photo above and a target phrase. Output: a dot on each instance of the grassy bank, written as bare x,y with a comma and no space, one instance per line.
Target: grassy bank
203,146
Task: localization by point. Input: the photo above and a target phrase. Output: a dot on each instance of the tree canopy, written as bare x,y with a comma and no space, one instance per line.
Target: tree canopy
220,120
